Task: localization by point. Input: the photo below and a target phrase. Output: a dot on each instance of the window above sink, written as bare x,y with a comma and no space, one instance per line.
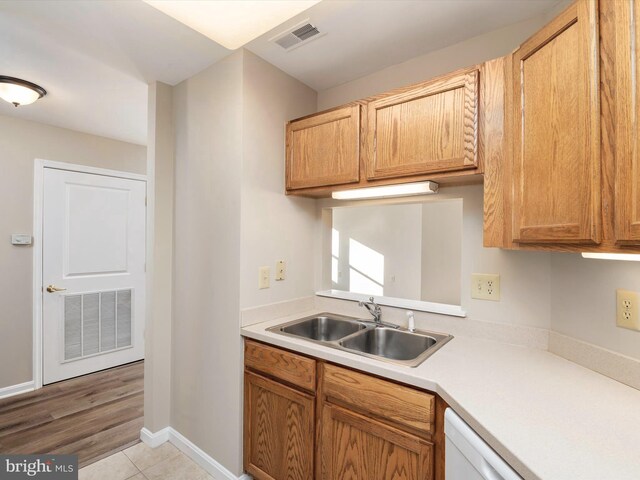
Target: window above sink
406,254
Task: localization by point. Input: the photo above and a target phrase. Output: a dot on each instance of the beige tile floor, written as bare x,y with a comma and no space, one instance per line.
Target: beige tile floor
141,462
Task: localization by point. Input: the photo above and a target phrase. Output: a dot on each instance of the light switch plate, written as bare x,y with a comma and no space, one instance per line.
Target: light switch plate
281,270
485,286
263,277
627,309
20,239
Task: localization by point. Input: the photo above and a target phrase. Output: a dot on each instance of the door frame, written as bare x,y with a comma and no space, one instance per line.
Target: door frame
38,216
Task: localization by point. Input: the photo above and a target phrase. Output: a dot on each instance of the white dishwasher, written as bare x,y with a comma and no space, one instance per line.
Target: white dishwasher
468,457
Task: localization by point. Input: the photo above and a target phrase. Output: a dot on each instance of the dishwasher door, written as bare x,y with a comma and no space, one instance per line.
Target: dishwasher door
468,457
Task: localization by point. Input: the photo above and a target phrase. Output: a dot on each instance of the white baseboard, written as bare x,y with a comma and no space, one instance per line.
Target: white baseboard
190,449
12,390
155,439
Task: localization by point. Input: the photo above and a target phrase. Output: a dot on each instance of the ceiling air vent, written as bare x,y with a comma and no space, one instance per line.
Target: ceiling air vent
302,33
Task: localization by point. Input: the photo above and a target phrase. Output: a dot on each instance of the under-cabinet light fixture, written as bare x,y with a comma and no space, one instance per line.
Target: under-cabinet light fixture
402,190
613,256
19,92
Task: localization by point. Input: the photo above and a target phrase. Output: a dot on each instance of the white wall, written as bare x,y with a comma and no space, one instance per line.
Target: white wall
564,292
393,231
583,300
274,226
469,52
160,195
525,276
21,142
441,251
230,218
207,355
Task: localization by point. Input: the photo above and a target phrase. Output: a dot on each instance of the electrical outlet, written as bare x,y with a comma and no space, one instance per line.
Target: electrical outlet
485,286
281,269
627,309
263,277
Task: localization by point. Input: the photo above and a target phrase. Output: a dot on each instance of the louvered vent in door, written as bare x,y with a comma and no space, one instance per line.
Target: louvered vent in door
97,323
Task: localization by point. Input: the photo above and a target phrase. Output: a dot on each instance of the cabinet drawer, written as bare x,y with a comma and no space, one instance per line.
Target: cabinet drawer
397,404
286,366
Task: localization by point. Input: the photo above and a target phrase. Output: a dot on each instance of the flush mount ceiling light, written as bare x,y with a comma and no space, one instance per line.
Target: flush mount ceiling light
19,92
404,190
613,256
232,23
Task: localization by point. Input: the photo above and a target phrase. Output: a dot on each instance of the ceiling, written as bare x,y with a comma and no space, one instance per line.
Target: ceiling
96,57
232,23
366,36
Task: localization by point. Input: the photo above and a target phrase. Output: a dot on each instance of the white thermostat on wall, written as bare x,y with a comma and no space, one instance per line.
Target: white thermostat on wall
20,239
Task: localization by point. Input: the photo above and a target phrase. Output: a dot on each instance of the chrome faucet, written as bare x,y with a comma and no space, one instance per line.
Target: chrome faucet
374,309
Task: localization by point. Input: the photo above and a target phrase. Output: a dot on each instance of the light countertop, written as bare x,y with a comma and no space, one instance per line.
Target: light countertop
549,418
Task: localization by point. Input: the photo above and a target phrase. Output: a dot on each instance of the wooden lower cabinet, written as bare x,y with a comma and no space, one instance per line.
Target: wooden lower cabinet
279,430
355,447
342,425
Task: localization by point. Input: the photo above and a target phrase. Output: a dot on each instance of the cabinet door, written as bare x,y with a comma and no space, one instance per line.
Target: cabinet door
627,102
425,129
557,132
357,448
324,149
278,431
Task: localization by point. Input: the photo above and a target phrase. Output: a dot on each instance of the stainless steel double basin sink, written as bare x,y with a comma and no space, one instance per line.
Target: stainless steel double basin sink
365,337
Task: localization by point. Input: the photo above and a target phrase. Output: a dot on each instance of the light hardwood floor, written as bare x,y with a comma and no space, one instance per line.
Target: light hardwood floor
91,416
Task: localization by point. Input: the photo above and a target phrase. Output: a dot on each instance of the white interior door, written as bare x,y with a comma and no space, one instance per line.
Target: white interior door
93,272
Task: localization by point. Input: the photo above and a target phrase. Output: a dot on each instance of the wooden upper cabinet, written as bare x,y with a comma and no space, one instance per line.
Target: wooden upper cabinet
627,107
356,447
556,171
432,127
279,425
324,150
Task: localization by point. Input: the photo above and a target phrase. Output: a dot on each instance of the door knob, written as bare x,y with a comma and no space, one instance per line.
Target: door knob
53,289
